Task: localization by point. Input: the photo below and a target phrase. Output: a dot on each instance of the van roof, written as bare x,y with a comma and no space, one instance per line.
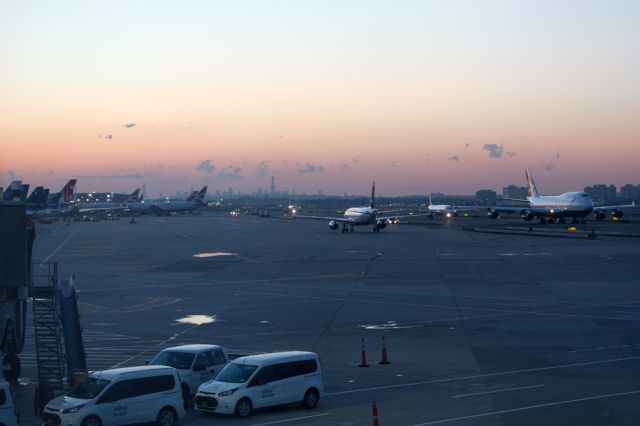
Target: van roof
275,356
114,372
192,348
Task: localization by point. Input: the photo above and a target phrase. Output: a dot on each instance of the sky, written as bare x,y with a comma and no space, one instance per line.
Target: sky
421,96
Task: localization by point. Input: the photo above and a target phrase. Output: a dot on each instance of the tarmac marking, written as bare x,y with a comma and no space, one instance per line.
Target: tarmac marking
529,407
478,376
497,391
295,419
62,244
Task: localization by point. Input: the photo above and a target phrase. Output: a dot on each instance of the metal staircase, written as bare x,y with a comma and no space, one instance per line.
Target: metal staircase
48,333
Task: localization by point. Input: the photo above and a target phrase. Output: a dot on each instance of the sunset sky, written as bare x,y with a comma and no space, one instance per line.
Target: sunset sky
421,96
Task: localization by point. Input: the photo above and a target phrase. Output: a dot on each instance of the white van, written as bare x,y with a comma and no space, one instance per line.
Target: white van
263,380
7,410
196,364
120,396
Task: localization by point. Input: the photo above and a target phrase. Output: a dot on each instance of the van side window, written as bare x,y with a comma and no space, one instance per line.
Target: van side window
265,375
202,362
158,383
295,368
118,391
217,357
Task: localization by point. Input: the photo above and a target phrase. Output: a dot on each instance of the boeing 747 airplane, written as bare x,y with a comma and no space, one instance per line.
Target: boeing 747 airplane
575,205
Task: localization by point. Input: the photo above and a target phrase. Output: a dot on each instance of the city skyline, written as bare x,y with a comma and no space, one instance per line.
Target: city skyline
419,96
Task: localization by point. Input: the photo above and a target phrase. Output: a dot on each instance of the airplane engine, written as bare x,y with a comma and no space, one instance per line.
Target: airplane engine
528,216
333,225
600,216
381,224
493,214
617,214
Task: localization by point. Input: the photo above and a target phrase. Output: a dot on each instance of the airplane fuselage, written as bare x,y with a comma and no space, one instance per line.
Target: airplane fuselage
361,215
571,204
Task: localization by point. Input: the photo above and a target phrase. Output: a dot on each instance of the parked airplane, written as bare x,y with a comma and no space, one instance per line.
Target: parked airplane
575,205
194,202
448,211
16,191
57,204
361,216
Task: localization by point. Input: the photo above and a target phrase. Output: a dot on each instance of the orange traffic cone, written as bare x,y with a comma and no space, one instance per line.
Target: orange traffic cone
374,411
363,362
385,358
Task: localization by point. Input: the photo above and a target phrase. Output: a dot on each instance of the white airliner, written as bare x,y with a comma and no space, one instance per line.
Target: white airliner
575,205
194,202
446,210
361,216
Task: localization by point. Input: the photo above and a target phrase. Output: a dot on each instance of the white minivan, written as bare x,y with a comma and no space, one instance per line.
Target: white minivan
264,380
196,364
120,396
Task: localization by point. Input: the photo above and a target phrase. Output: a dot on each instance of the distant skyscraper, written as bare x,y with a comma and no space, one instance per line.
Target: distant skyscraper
273,185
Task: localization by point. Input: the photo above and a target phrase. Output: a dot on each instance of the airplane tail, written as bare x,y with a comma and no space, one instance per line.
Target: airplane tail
35,195
14,191
372,200
533,190
201,194
68,191
430,202
192,196
134,197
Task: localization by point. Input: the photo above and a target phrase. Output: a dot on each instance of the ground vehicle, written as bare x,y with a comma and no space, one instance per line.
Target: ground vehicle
196,364
7,411
263,380
120,396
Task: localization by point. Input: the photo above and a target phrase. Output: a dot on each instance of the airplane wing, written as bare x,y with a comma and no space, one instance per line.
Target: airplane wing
335,219
402,216
98,209
607,208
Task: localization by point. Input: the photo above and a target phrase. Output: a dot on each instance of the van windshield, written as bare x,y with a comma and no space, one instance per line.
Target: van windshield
178,360
236,373
88,388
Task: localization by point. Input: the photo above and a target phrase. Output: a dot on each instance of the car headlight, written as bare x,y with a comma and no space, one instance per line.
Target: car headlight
227,393
72,409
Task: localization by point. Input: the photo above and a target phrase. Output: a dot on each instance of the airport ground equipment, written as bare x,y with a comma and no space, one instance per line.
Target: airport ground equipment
75,355
16,238
48,333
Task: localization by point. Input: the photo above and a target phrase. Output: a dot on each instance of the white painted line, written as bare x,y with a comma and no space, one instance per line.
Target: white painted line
529,407
295,419
478,376
497,391
61,245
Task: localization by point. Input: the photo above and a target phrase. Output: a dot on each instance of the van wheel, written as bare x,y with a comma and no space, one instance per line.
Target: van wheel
310,399
244,407
166,417
91,421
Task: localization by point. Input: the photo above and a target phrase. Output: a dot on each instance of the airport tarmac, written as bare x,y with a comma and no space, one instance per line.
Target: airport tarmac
481,328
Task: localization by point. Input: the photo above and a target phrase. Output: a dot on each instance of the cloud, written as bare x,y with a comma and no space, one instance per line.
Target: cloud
557,156
11,174
395,164
467,145
355,160
310,168
549,167
263,169
230,172
105,136
494,150
206,167
129,125
454,158
129,176
511,154
344,167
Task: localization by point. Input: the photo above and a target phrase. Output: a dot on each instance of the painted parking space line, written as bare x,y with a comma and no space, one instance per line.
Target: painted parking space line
529,407
294,419
497,391
478,376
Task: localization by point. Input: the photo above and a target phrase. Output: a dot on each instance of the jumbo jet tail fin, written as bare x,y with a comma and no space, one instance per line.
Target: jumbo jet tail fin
192,196
134,197
430,202
372,200
68,190
533,190
201,194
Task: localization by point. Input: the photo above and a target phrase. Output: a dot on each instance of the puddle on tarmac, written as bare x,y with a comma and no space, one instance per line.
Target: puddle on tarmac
197,319
389,325
215,254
